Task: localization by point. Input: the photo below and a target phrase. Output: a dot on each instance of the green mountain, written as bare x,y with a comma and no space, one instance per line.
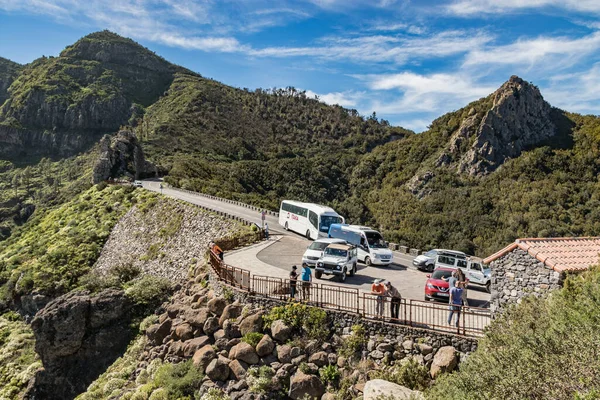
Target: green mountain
8,71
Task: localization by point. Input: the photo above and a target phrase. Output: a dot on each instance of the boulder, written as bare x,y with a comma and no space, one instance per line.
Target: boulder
238,369
385,347
183,332
244,352
252,323
376,355
217,305
157,332
305,386
203,357
211,326
320,359
220,334
408,345
230,311
218,369
284,354
445,360
265,346
231,329
378,389
173,311
280,331
197,318
176,348
312,347
191,346
424,348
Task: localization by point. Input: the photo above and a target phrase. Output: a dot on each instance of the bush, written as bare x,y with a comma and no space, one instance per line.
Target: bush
329,374
312,320
541,348
409,373
94,282
252,338
125,272
149,291
260,380
355,342
214,394
178,380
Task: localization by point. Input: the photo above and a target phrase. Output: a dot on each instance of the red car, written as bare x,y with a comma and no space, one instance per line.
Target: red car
436,288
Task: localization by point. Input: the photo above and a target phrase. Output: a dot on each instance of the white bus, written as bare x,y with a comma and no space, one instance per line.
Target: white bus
308,219
372,249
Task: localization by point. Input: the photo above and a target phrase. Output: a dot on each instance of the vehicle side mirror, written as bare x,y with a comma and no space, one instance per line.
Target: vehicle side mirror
429,275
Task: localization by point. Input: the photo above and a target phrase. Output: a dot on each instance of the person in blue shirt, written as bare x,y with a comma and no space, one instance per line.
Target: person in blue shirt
306,276
455,302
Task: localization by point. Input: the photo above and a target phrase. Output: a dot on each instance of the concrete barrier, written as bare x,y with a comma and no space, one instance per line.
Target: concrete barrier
415,252
403,249
393,246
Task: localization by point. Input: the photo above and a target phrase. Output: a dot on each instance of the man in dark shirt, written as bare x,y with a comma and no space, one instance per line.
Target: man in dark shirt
293,280
455,302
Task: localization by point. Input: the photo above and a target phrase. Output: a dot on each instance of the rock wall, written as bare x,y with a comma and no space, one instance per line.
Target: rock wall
78,336
518,274
21,142
165,240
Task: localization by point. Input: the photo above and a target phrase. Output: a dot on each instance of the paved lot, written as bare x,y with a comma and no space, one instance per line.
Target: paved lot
288,251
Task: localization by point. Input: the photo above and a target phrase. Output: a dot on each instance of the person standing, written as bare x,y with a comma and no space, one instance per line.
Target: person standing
460,276
217,250
306,281
266,231
392,292
455,302
293,281
378,289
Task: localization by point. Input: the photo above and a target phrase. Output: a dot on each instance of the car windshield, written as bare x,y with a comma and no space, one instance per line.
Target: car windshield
320,246
327,220
431,253
336,252
441,274
375,240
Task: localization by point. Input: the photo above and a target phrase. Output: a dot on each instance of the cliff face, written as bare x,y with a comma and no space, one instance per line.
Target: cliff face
518,119
8,72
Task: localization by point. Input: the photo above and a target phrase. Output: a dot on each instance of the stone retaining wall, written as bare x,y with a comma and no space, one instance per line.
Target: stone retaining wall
518,274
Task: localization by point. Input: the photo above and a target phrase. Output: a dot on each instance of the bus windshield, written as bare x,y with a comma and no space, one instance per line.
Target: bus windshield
336,252
327,220
375,240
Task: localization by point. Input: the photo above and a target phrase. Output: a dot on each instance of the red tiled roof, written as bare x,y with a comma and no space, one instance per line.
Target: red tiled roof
560,254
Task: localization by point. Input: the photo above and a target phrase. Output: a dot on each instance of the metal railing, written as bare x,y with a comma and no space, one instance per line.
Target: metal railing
413,313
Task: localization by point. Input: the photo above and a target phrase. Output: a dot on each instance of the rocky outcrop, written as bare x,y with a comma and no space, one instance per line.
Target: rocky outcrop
78,336
518,119
8,72
121,156
445,360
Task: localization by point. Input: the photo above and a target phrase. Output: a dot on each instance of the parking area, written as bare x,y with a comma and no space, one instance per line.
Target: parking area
288,250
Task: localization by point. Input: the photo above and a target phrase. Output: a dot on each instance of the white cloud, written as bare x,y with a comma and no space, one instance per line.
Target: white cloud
468,8
347,99
576,92
553,51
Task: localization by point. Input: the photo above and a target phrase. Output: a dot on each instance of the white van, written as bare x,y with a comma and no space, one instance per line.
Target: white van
316,248
372,249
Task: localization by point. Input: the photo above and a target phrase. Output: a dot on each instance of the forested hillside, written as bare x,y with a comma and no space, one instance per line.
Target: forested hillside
507,165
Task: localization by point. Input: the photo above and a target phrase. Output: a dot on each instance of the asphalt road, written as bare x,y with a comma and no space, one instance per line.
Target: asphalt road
289,249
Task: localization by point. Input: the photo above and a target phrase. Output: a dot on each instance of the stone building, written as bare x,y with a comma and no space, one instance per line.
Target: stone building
537,266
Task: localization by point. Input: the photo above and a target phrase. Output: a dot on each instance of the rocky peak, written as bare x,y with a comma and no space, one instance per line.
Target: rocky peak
8,73
518,118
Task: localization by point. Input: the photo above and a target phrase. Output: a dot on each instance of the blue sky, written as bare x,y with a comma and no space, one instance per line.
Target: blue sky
409,61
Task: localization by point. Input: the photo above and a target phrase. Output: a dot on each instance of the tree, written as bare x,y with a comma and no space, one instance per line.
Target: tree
15,183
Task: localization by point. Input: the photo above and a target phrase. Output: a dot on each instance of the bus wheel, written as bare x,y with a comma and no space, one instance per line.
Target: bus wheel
286,227
368,261
343,276
318,274
308,235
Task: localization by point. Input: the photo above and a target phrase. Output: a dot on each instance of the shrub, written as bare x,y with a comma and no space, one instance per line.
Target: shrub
228,294
409,373
178,380
214,394
312,320
149,291
329,374
125,272
252,338
355,342
94,282
101,186
12,316
260,380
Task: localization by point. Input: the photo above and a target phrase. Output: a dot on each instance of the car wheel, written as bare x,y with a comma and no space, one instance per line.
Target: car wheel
368,261
308,235
286,227
430,268
343,276
318,274
488,287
